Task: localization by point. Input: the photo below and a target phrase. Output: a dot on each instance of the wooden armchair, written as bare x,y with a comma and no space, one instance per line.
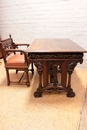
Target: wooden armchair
15,58
17,46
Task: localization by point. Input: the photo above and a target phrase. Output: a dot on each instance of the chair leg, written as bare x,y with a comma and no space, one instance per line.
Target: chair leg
32,68
27,78
8,77
16,71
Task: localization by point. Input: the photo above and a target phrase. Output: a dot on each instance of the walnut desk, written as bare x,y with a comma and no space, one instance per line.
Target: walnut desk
51,57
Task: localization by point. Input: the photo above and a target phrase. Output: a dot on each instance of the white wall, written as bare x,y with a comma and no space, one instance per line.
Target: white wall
26,20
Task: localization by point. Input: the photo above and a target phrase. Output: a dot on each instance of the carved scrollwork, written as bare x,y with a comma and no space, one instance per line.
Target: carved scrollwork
72,65
39,66
56,56
7,44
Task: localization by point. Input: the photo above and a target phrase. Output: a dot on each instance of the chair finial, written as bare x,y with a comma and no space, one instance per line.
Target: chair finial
10,35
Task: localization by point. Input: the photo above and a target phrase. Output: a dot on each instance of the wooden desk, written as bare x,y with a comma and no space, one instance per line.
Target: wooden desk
53,56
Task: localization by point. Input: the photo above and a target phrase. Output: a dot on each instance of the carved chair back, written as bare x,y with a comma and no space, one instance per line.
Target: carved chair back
6,45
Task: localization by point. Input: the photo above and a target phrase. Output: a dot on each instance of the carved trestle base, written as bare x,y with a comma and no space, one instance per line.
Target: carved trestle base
49,68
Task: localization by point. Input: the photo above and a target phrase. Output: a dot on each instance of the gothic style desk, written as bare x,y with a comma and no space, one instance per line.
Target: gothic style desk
51,57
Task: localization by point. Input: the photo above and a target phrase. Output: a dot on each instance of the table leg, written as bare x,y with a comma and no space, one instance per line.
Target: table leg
38,92
71,67
64,71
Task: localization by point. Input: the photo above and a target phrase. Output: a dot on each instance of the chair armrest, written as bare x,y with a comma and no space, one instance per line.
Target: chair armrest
16,50
24,44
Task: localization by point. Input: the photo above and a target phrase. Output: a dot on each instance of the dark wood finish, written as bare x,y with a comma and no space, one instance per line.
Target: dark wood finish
53,56
0,51
15,58
0,54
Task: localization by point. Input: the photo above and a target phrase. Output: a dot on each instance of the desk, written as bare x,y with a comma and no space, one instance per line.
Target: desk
51,57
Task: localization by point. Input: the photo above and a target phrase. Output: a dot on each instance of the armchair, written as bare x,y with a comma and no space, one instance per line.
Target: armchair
16,59
17,46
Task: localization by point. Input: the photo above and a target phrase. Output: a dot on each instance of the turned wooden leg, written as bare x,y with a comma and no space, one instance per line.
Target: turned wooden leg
8,77
27,78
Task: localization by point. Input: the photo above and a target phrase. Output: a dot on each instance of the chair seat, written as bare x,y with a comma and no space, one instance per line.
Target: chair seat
16,60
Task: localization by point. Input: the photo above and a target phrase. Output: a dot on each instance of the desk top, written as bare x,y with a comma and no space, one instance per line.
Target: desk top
54,45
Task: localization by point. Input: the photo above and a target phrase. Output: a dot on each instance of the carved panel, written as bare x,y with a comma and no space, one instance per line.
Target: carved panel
56,56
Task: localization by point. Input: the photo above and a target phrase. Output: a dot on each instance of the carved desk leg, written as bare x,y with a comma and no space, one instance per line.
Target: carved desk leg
70,92
38,92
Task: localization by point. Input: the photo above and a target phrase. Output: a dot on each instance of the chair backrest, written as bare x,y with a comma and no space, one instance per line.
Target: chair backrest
6,45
